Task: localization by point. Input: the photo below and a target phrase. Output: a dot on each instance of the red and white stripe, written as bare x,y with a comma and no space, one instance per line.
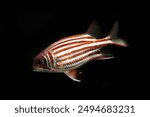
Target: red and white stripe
72,38
77,61
74,51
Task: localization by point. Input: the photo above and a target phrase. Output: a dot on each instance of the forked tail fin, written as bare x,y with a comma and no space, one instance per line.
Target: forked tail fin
113,36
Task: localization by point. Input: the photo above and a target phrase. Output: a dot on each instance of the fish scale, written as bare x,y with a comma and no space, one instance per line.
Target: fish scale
74,60
79,63
80,47
70,38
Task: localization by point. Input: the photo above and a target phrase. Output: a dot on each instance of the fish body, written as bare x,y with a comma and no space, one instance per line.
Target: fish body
68,54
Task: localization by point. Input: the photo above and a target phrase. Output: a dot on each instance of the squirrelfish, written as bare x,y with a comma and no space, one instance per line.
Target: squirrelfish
69,53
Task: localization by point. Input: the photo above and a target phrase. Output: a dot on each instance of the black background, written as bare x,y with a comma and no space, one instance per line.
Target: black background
29,28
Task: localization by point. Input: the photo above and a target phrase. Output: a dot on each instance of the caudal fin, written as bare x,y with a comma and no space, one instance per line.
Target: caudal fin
113,36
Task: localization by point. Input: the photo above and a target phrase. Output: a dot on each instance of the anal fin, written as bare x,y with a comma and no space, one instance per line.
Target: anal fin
74,74
103,57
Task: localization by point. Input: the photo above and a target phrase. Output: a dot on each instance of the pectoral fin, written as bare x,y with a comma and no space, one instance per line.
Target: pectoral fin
73,74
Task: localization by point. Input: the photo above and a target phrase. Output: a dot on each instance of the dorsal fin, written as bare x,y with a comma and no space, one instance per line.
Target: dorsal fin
94,30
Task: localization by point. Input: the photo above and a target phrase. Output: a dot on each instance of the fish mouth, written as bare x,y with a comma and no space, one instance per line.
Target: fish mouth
37,69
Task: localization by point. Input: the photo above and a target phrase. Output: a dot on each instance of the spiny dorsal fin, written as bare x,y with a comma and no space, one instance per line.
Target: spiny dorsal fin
94,30
73,74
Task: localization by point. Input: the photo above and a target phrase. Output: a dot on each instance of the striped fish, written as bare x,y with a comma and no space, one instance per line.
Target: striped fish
68,54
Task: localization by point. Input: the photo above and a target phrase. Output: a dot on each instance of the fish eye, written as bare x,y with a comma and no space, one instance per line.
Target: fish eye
40,62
